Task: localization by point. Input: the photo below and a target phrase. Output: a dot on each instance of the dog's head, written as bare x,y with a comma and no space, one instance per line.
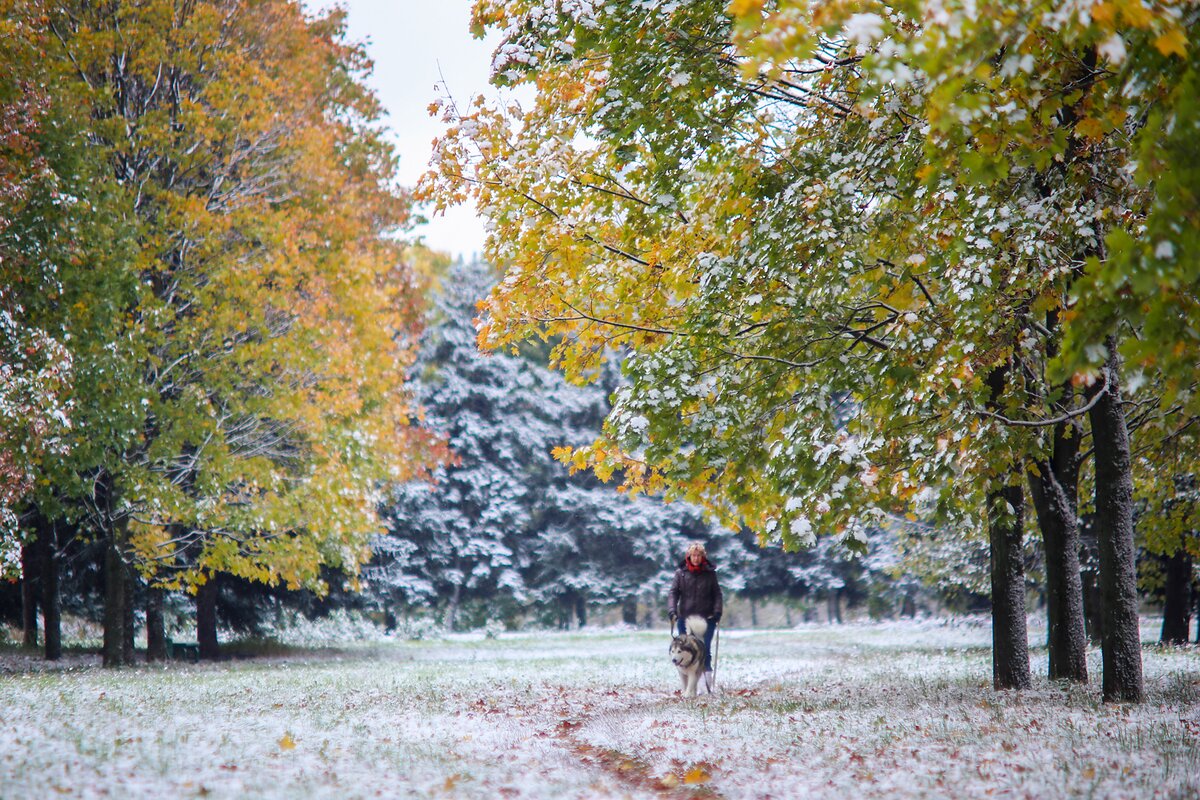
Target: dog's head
684,651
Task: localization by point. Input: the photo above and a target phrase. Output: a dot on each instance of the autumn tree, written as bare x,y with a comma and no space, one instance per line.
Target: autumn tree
811,201
244,403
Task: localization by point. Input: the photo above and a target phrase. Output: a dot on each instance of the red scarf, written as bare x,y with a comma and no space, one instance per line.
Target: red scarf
696,568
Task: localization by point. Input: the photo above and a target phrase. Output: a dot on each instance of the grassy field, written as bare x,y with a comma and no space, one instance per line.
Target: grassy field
861,711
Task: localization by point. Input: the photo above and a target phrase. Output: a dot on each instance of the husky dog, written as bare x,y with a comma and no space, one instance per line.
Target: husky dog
687,654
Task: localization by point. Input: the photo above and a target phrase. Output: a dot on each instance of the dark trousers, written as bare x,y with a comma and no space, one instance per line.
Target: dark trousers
680,626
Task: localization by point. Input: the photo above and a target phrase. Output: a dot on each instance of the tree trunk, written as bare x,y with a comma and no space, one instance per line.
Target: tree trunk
580,610
1006,528
835,606
753,613
130,626
629,611
51,601
1053,498
206,620
29,594
452,608
1010,638
908,608
1120,642
1177,609
114,602
156,632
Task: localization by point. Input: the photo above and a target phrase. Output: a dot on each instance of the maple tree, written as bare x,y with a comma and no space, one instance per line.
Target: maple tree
240,339
784,209
35,367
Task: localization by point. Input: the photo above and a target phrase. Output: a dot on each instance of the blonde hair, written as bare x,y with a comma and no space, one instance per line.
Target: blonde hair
695,547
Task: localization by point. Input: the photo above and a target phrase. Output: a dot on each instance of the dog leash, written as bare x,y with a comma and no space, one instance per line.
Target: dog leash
716,652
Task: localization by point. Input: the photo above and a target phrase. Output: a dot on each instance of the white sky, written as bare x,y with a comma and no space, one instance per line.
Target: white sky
409,40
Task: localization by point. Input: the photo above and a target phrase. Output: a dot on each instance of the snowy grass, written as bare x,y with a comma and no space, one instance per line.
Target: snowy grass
892,710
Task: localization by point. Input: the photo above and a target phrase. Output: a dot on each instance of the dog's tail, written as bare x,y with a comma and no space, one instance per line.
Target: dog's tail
696,626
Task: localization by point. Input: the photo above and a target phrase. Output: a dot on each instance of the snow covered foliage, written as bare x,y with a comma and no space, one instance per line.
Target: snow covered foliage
506,528
35,372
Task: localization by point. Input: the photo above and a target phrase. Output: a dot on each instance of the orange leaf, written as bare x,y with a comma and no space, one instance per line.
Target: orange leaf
697,774
1104,13
1173,41
287,742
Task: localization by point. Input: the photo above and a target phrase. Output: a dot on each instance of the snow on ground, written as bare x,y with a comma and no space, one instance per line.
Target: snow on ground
895,710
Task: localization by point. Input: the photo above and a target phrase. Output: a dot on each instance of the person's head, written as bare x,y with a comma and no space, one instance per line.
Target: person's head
696,553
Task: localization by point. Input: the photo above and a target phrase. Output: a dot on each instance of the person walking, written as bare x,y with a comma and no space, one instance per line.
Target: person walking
695,590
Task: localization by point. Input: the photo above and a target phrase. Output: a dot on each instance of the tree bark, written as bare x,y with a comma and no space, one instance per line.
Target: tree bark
1120,642
629,611
29,594
1177,608
1006,528
206,620
834,601
114,602
1052,487
580,610
1010,636
452,608
156,635
129,627
51,601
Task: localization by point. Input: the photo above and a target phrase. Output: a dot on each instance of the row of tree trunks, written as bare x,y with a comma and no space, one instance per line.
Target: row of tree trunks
40,564
1053,486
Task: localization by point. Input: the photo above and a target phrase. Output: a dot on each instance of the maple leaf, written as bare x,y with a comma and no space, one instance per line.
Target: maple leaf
1173,42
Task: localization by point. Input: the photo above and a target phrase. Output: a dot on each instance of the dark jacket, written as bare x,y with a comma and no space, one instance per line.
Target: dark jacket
695,593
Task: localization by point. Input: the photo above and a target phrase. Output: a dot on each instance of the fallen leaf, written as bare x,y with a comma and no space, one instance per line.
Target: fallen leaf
287,742
697,775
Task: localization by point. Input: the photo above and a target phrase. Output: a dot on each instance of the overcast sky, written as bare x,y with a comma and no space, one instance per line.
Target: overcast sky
409,41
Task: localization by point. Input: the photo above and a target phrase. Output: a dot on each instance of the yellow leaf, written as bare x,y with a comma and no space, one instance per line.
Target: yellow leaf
1090,127
924,172
1173,41
287,742
1104,13
697,774
1136,14
741,8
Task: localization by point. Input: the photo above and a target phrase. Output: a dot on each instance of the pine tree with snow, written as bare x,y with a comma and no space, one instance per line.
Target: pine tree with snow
506,529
